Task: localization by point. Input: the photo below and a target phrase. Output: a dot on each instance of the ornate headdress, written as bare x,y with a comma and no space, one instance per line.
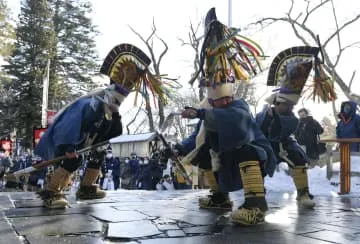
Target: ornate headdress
128,68
290,70
227,57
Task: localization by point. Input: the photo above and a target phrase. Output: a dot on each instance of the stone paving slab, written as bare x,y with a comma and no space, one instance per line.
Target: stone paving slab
133,229
32,212
5,202
7,233
109,214
56,225
65,239
28,203
174,217
274,237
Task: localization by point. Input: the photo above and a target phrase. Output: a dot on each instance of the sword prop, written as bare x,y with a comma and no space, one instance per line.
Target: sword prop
46,163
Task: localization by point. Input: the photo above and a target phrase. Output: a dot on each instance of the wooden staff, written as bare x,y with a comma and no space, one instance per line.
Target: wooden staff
177,161
46,163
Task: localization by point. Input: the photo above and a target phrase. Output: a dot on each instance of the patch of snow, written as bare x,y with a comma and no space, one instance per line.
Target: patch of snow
318,183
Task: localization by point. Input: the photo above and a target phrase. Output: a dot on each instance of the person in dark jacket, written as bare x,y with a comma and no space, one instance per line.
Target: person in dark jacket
145,177
349,124
115,166
156,169
307,134
134,168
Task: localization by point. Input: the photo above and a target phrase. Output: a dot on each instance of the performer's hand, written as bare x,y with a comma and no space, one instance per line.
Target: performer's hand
189,113
71,155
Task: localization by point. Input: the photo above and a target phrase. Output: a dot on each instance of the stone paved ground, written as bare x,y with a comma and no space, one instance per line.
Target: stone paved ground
173,217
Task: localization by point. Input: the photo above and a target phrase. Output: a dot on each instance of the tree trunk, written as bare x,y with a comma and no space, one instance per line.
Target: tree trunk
149,113
201,94
161,113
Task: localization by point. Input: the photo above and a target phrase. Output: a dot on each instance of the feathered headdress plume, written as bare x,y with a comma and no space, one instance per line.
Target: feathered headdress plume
226,55
128,67
290,70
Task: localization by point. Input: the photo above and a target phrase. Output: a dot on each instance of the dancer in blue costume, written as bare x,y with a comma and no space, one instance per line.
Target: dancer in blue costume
290,70
235,141
92,119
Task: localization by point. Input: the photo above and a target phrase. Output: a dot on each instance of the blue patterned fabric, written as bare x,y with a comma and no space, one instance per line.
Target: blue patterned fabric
68,132
236,130
280,130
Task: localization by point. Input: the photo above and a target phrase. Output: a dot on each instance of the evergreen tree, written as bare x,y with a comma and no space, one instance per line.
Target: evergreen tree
33,47
7,36
76,58
6,31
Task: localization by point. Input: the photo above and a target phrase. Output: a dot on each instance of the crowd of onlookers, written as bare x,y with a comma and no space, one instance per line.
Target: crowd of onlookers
159,173
309,130
147,173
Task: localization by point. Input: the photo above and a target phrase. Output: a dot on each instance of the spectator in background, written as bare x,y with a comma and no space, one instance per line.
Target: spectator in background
113,164
168,183
165,183
349,124
145,180
156,168
125,173
134,167
307,134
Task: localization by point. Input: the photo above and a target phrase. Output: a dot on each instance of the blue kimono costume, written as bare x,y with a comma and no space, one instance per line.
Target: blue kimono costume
85,118
278,130
233,133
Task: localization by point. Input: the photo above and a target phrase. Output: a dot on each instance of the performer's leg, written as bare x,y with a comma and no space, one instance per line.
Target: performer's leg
52,196
88,189
253,210
300,177
216,199
116,182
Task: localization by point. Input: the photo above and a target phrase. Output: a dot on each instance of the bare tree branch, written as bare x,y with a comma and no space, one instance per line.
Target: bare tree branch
139,126
162,54
133,120
272,20
334,111
296,26
308,13
194,42
152,33
351,80
291,7
342,50
341,28
338,34
149,42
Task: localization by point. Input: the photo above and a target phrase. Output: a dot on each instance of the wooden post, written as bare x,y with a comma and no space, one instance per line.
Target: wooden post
345,168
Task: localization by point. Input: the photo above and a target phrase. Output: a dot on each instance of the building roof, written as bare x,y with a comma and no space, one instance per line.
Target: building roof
133,138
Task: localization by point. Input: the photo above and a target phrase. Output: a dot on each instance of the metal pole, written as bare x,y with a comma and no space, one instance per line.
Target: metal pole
230,13
45,95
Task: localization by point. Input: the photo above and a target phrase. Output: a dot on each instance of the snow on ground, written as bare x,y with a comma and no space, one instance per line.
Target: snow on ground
318,183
